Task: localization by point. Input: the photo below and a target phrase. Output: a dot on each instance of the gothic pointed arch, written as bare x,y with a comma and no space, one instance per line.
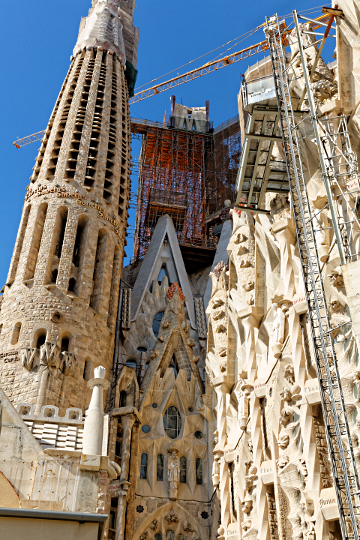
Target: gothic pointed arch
171,517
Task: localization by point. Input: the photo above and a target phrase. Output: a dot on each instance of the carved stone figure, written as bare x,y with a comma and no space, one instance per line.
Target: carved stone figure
154,525
171,517
336,277
242,394
289,373
282,461
187,527
247,506
278,329
173,474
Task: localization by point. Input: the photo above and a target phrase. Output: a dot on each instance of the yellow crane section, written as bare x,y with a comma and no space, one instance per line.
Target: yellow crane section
207,68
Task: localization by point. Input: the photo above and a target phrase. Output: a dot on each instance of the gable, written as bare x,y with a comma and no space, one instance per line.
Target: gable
152,263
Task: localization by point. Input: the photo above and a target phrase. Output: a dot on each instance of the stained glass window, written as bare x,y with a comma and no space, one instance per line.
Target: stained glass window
143,466
160,467
172,422
183,470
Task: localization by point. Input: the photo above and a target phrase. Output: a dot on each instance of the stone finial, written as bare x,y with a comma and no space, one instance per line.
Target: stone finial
99,372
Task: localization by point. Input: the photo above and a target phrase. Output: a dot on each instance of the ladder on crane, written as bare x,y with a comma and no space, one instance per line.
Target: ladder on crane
330,146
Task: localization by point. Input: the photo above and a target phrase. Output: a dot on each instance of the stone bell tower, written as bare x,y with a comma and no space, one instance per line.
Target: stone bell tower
58,311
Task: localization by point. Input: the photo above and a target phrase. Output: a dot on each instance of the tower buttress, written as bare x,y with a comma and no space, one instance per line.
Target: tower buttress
58,311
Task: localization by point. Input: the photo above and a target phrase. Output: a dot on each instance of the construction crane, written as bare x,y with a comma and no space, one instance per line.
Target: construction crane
193,74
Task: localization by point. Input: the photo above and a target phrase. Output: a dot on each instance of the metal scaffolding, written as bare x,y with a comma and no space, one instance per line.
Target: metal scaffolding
188,175
171,181
340,176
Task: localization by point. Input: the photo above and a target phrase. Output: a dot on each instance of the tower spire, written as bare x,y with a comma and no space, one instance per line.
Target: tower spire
102,28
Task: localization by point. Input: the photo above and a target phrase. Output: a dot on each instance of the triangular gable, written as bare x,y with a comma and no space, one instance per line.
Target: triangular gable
173,338
149,268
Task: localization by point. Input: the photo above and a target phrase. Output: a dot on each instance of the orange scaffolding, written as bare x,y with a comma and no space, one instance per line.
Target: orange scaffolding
188,175
171,181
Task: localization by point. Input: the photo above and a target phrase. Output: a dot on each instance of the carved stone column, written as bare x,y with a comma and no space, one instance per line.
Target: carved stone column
128,417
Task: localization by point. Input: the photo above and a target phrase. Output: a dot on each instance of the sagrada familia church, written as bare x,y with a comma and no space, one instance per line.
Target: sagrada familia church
211,388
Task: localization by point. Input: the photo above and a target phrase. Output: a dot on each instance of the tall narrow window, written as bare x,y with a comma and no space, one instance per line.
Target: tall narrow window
35,242
160,467
170,535
87,369
143,466
59,232
99,268
56,245
162,274
123,398
199,471
18,245
79,246
183,465
16,333
78,253
158,536
113,288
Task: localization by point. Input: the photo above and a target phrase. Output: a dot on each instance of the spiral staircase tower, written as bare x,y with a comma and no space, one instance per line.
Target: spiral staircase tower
58,311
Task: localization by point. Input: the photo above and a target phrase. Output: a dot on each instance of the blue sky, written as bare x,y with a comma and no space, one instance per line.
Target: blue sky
38,38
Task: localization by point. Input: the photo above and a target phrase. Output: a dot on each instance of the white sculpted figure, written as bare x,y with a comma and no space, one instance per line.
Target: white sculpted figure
278,329
173,473
242,396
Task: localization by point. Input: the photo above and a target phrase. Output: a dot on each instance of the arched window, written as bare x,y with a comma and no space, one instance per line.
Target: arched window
39,338
122,398
143,466
40,341
131,363
157,322
142,349
172,422
181,537
158,536
65,342
72,284
199,471
170,535
183,470
160,467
